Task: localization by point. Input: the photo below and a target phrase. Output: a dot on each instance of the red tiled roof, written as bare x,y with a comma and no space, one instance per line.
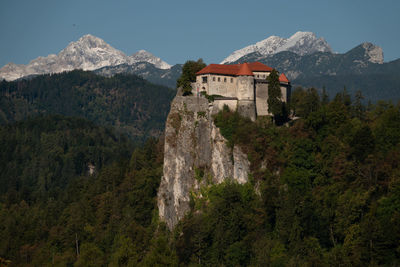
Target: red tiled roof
283,78
257,66
233,69
244,70
220,69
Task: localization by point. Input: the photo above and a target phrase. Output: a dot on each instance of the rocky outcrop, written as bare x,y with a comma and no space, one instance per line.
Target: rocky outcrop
373,53
195,154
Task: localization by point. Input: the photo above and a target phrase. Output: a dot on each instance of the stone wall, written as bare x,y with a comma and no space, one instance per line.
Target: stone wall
286,91
247,108
262,99
218,84
245,88
219,104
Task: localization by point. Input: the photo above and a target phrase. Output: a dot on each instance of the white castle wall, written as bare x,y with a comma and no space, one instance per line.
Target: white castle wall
251,92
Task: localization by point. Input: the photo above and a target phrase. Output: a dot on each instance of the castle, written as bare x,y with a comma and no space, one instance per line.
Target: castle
239,86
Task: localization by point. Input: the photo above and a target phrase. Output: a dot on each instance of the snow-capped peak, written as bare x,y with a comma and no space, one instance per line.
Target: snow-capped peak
91,41
88,53
301,43
143,55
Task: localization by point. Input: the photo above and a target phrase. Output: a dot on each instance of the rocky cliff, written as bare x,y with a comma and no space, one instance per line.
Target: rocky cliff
195,155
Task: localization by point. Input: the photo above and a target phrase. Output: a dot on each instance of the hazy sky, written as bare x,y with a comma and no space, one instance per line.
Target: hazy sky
178,30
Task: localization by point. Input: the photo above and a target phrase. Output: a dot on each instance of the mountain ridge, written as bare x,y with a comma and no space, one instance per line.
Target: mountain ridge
302,43
88,53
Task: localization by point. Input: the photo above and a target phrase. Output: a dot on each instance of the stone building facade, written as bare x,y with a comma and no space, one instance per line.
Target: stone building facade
239,86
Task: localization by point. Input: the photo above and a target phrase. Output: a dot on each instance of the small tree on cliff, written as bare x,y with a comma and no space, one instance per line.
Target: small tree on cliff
275,104
188,76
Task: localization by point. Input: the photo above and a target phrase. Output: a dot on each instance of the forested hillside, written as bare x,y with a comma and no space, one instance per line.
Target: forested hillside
53,210
324,190
134,106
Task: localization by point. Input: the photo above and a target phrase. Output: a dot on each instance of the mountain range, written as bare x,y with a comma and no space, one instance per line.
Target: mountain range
301,43
307,60
88,53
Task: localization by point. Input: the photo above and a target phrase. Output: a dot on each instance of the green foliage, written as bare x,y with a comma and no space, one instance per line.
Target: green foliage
201,114
129,103
210,98
228,123
363,143
40,156
305,102
328,183
275,104
90,255
219,234
51,200
188,76
324,191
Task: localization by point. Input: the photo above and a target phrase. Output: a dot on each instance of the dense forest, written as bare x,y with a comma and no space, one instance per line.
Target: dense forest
52,208
324,191
129,103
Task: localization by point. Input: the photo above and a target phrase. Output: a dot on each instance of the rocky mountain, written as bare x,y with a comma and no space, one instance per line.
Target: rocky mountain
301,43
358,60
144,56
88,53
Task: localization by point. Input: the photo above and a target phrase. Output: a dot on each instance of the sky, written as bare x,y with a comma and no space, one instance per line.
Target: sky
179,30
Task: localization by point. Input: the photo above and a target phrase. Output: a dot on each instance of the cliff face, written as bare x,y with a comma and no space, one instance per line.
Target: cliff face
195,154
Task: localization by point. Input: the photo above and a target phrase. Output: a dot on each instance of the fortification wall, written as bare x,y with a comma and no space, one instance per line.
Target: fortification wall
262,99
245,88
219,104
247,108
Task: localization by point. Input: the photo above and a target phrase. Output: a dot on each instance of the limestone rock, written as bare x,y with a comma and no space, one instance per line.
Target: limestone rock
195,154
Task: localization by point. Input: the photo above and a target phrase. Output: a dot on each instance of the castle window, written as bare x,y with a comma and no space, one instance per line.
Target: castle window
224,80
231,80
219,79
204,79
213,79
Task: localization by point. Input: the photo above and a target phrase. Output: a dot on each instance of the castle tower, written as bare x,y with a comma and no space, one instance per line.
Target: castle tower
285,88
245,92
245,80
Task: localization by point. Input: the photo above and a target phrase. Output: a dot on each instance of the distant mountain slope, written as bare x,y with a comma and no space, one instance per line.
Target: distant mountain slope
147,71
144,56
373,87
131,104
88,53
301,43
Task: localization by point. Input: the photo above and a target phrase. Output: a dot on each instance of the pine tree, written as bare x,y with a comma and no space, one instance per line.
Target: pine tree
324,97
188,76
275,105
